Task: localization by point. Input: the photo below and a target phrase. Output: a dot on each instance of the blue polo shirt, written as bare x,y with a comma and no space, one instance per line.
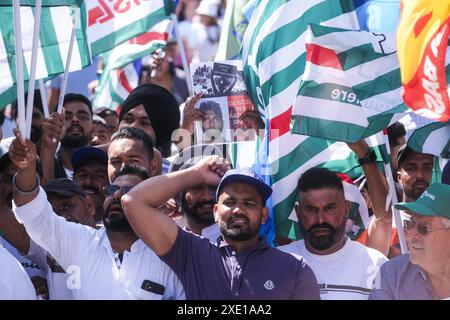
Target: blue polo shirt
399,279
210,272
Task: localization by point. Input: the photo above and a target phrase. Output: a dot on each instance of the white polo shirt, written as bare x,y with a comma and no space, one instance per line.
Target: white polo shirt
346,274
93,268
14,281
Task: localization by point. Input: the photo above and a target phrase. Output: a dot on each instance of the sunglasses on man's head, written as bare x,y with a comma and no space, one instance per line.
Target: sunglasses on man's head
113,188
423,229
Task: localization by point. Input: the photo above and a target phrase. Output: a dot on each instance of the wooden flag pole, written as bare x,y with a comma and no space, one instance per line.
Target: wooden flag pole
19,69
66,69
34,53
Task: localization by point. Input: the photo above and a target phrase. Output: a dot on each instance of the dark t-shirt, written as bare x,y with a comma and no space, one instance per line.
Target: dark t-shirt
210,272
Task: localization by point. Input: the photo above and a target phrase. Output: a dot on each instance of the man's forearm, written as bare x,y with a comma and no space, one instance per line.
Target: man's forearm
25,186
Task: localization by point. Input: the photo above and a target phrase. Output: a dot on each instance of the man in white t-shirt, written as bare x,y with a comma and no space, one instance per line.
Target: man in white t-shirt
14,281
344,269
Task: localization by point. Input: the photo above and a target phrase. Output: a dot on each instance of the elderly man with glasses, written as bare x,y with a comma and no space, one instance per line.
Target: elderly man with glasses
424,273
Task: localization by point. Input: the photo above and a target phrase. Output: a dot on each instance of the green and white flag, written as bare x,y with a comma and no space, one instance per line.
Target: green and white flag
351,86
120,75
54,38
110,23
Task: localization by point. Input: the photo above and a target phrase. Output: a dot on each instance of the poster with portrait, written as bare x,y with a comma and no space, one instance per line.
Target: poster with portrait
223,87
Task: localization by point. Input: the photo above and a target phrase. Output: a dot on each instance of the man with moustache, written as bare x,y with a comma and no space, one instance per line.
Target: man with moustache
90,171
344,268
108,263
424,273
197,202
242,265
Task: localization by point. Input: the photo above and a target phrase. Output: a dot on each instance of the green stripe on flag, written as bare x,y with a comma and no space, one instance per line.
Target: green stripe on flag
358,55
140,26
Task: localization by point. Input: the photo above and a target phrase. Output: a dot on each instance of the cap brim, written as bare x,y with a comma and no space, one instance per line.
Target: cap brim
262,188
63,193
417,208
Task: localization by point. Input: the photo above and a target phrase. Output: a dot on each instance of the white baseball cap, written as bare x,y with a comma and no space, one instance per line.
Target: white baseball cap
209,8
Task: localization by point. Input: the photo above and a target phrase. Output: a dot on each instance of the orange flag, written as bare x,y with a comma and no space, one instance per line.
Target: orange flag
422,39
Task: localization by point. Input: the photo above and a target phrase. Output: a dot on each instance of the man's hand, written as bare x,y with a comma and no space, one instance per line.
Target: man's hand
360,148
52,130
212,169
22,152
191,113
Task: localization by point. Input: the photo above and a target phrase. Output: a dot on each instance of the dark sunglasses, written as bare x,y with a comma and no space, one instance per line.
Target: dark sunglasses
423,229
113,188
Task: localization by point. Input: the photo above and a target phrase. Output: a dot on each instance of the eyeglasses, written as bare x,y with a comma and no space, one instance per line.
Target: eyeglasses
113,188
423,229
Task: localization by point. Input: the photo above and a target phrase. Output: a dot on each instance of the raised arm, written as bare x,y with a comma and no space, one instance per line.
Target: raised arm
380,228
52,132
141,204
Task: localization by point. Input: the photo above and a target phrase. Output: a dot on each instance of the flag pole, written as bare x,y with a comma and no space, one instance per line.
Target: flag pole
393,195
19,69
44,98
66,69
31,83
182,53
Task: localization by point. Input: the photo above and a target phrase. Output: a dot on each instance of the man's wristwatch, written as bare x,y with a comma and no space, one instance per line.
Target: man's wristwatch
370,157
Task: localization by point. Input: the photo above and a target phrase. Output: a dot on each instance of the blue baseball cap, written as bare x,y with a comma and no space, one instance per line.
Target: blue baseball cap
245,175
88,155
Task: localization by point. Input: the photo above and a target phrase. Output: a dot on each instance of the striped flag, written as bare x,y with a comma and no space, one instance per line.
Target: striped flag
274,57
346,73
56,28
233,29
110,23
115,81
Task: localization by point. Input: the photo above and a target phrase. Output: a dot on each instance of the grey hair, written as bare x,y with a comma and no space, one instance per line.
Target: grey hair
445,222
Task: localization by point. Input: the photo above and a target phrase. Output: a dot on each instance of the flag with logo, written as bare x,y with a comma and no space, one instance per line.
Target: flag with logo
119,63
346,73
422,39
110,23
274,56
54,39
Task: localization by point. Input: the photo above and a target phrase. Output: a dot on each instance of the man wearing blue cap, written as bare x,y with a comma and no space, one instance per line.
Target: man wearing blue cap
424,273
242,265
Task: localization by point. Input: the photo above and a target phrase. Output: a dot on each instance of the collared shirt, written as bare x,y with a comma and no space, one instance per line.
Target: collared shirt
399,279
14,281
346,274
94,269
212,272
211,232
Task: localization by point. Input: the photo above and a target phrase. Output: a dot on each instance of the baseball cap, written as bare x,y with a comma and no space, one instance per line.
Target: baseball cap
208,8
403,152
87,155
64,187
435,201
245,175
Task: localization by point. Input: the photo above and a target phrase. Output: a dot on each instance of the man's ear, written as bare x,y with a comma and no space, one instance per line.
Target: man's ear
90,205
348,206
156,163
265,215
215,207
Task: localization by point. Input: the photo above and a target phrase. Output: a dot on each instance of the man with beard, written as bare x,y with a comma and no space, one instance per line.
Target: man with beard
108,263
424,273
73,128
197,201
90,171
414,172
242,265
344,268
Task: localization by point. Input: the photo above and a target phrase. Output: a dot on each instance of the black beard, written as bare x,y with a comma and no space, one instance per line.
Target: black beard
116,223
75,142
203,220
324,242
238,233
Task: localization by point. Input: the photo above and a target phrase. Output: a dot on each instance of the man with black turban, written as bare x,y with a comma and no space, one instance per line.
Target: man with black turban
154,110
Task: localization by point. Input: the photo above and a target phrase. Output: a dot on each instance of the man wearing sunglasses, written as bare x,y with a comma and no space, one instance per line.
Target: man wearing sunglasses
108,263
424,273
